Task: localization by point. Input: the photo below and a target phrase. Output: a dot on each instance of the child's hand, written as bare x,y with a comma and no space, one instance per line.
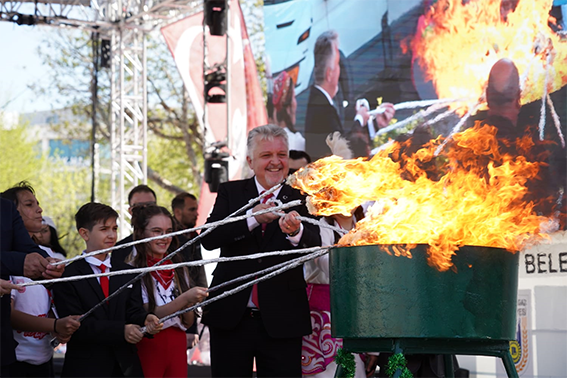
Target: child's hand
132,333
6,287
62,340
66,326
152,324
195,295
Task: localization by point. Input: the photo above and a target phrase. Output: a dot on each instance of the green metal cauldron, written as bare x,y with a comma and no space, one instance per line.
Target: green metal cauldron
381,303
374,294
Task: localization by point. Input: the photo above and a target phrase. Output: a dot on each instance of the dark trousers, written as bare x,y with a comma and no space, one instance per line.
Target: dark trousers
24,369
233,351
6,371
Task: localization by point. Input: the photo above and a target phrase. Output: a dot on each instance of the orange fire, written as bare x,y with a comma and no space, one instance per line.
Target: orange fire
457,44
472,195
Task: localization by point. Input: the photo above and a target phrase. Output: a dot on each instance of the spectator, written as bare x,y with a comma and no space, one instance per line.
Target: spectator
138,196
20,256
32,317
48,237
163,292
298,159
105,343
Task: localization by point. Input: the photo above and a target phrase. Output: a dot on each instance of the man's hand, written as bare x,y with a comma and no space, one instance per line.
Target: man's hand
264,218
152,324
132,333
68,325
384,117
53,271
370,365
289,223
6,287
34,265
362,110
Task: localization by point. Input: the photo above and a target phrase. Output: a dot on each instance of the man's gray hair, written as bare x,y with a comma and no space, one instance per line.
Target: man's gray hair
324,54
265,132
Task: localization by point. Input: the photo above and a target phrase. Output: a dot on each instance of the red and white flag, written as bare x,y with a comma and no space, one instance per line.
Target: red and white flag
185,41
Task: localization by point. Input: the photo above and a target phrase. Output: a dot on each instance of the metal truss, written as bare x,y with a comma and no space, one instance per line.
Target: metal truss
97,15
128,127
126,23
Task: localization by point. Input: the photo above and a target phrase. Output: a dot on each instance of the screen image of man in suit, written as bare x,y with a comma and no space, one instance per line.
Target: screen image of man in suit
265,322
322,117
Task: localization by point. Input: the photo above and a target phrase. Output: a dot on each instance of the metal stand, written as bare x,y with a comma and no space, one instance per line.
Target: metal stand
447,347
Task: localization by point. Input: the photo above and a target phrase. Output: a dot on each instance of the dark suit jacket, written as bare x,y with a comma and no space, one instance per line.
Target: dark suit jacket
321,120
15,244
99,344
122,253
282,299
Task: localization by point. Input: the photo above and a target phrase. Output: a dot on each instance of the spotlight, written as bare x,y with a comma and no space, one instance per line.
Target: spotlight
24,19
215,79
105,53
216,167
215,16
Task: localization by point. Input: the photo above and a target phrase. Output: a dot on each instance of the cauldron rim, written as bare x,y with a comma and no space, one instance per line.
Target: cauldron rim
422,244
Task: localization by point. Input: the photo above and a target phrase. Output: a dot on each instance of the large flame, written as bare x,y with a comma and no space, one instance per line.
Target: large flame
459,41
473,195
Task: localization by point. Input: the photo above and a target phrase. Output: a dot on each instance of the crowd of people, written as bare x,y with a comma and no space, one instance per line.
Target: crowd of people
280,327
109,341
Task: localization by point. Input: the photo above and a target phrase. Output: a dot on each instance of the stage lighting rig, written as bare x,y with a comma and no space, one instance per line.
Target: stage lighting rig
216,166
215,79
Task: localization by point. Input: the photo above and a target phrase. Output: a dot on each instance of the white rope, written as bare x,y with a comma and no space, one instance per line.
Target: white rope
556,120
172,266
418,104
458,126
421,114
541,125
298,262
255,274
312,221
205,226
440,117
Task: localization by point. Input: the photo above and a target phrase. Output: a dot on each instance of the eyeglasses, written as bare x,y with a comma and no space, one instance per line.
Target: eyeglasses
140,204
159,231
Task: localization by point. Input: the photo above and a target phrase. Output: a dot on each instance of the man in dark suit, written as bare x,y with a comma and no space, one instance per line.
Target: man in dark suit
265,322
19,256
138,196
322,117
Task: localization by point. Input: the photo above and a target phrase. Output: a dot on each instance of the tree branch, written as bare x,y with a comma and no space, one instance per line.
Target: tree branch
163,182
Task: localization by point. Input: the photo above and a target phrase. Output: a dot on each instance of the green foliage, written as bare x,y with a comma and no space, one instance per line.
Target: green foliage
395,362
346,363
21,157
60,188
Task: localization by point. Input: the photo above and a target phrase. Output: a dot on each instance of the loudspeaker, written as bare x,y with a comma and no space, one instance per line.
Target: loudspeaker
215,16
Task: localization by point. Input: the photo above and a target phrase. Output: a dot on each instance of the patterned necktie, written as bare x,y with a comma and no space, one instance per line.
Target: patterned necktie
264,200
103,281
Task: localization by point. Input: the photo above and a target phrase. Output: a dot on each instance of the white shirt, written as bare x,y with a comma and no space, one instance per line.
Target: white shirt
162,297
253,223
96,263
33,347
326,94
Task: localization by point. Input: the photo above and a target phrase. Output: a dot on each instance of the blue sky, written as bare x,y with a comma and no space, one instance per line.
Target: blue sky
20,66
